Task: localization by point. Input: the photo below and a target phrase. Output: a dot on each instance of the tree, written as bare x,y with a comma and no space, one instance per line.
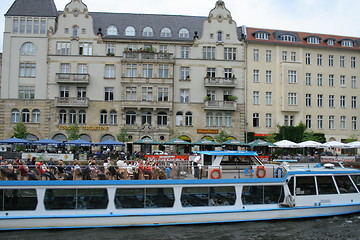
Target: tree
20,131
123,135
270,138
73,132
313,136
291,133
222,137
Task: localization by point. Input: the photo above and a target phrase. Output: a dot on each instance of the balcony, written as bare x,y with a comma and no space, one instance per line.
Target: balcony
220,105
219,82
71,102
147,104
75,78
139,56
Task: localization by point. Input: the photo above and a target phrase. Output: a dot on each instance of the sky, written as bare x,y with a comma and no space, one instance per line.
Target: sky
332,17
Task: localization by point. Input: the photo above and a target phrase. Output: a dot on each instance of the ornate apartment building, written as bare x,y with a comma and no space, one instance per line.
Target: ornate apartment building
166,76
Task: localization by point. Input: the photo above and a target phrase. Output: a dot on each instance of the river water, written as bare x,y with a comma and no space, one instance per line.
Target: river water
340,228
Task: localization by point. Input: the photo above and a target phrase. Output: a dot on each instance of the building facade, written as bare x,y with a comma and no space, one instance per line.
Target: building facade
166,76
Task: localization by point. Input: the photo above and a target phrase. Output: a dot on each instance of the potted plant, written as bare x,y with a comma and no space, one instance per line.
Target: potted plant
207,98
232,98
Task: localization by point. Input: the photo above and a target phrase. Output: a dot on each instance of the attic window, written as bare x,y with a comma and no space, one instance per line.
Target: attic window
313,40
287,38
148,32
165,32
330,42
130,31
112,30
347,43
184,33
262,35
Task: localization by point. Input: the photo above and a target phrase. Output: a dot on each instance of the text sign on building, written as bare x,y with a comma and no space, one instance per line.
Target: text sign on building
208,131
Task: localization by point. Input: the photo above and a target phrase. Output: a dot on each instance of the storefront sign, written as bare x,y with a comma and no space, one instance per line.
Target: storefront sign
208,131
47,156
167,157
261,134
335,159
86,128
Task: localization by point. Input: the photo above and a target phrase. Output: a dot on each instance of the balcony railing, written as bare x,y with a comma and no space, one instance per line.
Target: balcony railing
219,82
71,102
220,105
148,56
73,78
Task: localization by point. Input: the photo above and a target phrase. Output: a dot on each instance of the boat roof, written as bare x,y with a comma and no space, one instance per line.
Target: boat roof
228,153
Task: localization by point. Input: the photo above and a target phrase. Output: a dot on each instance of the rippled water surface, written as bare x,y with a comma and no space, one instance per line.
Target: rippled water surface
340,227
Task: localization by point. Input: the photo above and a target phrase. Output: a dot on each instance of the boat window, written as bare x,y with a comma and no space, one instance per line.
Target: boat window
144,198
208,196
59,199
345,185
262,195
326,185
291,186
305,185
356,179
238,160
17,199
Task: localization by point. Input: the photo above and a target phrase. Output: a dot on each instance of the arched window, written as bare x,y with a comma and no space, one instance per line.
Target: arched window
184,33
85,137
111,30
162,119
62,116
148,32
165,32
15,115
179,119
28,48
130,117
188,119
107,137
25,115
60,137
35,116
103,117
82,117
130,31
209,120
113,117
75,31
146,118
72,116
219,36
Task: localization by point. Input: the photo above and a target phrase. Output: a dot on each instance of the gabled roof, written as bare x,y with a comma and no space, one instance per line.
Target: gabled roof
33,8
140,21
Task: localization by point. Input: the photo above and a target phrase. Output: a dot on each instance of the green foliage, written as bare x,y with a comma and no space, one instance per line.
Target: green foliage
222,137
20,131
232,98
73,132
123,135
291,133
313,136
271,138
352,138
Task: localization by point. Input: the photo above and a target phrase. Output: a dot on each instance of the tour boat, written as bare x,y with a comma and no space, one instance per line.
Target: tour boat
235,186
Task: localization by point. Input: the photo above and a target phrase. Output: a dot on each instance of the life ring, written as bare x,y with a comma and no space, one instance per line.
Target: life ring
262,170
217,174
279,172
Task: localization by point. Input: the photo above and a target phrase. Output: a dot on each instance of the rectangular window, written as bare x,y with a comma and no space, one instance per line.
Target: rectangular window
286,120
163,49
353,62
342,122
26,92
22,25
109,94
308,100
256,120
110,49
230,53
147,70
256,97
331,60
331,80
109,71
211,94
268,120
342,81
308,58
184,73
147,94
36,25
42,26
228,73
353,82
163,94
319,100
308,79
63,48
256,55
308,121
81,92
85,49
331,122
130,94
292,76
268,77
29,23
343,101
15,25
268,56
64,91
320,121
82,68
353,102
27,70
256,77
131,70
164,71
211,72
342,61
319,79
319,59
184,52
184,95
293,56
65,68
268,98
284,56
331,101
208,52
354,123
292,99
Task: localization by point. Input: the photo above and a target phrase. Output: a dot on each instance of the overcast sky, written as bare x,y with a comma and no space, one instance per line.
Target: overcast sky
316,16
